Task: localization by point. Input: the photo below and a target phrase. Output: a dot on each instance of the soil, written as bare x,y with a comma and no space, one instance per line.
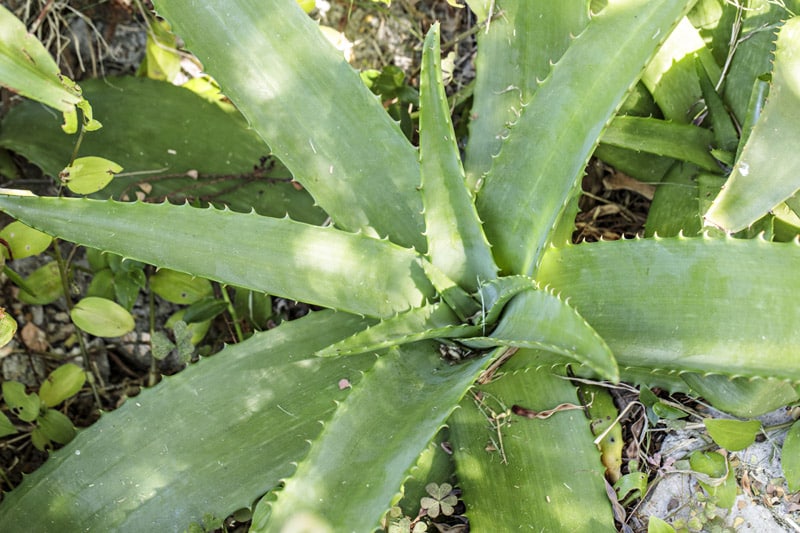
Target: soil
93,39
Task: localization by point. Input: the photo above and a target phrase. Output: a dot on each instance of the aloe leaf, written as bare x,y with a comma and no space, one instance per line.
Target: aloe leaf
278,68
759,182
539,319
678,141
514,51
129,471
741,396
430,322
276,256
517,471
27,68
348,483
162,135
790,457
462,304
693,305
675,207
722,125
671,77
456,243
519,224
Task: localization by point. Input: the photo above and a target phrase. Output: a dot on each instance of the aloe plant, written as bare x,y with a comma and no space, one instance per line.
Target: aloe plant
428,255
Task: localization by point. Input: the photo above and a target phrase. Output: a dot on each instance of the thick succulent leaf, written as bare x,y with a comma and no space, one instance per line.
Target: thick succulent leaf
660,137
567,118
675,207
701,305
357,465
208,440
514,51
433,321
550,467
462,304
456,243
539,319
321,266
27,68
160,133
759,180
742,397
272,60
671,77
754,47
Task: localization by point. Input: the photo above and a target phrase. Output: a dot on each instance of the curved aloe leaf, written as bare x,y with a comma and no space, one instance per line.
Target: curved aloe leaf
678,141
759,181
433,321
534,472
538,319
456,243
27,68
188,447
742,397
277,256
701,305
274,63
348,483
161,134
516,49
518,224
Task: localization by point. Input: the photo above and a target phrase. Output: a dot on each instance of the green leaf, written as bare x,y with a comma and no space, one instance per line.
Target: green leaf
55,426
27,68
679,141
688,303
205,310
291,259
716,476
430,322
172,143
515,51
281,81
45,281
656,525
722,125
518,471
179,288
87,175
128,471
6,427
25,406
456,243
790,457
326,484
530,183
759,181
101,317
8,327
742,397
539,319
733,435
23,240
63,382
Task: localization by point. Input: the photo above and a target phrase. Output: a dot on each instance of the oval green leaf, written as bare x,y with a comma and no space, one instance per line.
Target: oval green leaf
25,406
732,435
23,240
45,281
56,427
87,175
179,288
8,327
790,457
63,382
101,317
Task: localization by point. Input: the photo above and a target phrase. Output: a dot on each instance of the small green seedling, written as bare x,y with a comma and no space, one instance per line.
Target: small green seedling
47,425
